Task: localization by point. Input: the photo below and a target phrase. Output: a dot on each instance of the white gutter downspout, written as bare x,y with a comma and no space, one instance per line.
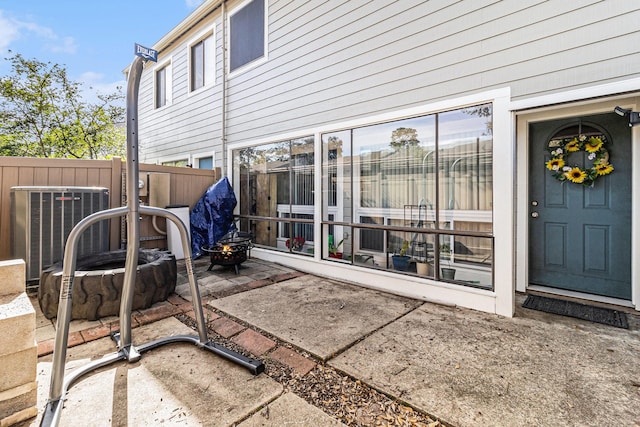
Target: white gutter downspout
223,112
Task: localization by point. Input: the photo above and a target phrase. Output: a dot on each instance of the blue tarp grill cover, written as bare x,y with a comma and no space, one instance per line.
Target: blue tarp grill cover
212,216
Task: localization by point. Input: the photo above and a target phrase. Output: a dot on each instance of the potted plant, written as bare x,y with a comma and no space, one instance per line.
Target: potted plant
333,250
423,267
401,260
296,243
447,272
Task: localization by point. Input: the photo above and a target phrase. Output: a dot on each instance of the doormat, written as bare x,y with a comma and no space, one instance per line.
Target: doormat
591,313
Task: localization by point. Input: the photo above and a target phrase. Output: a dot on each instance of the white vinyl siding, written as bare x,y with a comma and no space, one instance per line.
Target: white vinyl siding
192,124
332,61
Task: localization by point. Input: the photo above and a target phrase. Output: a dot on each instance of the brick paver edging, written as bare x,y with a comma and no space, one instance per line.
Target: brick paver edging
173,306
256,343
250,340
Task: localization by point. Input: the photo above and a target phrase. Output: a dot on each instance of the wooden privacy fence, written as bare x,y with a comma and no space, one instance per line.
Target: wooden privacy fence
186,186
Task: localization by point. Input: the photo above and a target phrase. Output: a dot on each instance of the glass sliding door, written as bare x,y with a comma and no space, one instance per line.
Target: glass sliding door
276,194
465,150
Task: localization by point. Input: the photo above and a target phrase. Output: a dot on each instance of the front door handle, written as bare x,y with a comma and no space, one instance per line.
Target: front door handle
535,214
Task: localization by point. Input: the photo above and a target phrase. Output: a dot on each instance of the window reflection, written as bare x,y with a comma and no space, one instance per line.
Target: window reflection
429,173
276,181
412,196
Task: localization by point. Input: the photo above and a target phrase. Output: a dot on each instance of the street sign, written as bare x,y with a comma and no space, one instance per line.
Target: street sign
146,53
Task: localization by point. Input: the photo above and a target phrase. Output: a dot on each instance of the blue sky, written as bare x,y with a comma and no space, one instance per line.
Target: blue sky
92,39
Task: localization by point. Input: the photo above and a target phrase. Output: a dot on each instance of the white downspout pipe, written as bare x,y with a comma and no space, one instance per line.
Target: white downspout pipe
223,101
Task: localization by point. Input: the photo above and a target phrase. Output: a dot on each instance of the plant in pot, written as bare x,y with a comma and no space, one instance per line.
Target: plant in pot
296,243
334,250
401,261
447,272
423,267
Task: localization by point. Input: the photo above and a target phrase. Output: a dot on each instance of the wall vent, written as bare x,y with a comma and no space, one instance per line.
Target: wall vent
43,217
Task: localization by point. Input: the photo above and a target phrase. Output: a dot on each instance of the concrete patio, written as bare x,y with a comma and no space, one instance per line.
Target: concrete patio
457,366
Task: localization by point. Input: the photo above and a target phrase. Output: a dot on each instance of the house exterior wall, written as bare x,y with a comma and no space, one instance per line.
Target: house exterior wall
334,61
342,64
190,124
340,60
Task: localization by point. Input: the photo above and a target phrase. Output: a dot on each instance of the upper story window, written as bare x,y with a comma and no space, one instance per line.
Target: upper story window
163,85
202,61
247,40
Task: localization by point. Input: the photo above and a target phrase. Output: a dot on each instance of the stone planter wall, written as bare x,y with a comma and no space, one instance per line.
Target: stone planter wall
18,347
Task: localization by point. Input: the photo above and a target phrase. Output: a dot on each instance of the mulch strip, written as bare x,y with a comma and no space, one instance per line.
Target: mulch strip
349,400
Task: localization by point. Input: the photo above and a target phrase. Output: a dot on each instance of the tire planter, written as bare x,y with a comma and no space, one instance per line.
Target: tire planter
99,279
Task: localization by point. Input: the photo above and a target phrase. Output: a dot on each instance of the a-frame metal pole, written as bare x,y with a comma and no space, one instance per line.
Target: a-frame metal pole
126,351
133,210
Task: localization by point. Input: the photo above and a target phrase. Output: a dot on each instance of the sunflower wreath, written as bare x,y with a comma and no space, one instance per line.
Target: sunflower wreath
595,146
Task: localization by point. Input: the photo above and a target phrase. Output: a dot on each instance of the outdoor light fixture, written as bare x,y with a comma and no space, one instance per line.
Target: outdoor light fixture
634,117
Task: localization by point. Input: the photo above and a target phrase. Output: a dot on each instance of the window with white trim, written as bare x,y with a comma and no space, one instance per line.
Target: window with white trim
416,190
202,61
204,162
247,40
163,80
275,192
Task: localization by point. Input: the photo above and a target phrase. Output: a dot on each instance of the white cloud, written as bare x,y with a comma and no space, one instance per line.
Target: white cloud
90,77
8,32
68,45
192,4
32,27
93,84
12,29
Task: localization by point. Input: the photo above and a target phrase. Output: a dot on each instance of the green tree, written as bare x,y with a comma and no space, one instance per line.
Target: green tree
42,114
404,137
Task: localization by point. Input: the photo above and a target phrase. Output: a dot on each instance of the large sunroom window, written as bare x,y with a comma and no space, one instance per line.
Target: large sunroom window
276,194
412,196
416,191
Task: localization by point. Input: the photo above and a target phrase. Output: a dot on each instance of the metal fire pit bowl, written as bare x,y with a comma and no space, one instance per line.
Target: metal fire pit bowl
229,252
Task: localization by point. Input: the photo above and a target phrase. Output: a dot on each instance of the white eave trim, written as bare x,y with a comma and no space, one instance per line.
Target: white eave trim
193,19
607,89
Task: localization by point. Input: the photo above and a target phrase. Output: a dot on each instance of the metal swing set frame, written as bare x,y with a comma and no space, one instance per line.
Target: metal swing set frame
126,350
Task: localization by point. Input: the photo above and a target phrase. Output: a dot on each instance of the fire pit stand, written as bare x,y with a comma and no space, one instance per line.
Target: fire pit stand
230,251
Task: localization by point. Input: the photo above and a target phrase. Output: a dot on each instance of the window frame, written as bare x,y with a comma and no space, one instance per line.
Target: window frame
172,160
395,217
265,51
209,59
285,216
168,84
197,156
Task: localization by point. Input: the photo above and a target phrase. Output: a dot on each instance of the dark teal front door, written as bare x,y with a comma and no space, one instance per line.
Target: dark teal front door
580,236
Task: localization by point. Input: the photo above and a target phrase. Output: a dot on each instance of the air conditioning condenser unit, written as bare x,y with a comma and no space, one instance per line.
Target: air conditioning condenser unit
43,217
